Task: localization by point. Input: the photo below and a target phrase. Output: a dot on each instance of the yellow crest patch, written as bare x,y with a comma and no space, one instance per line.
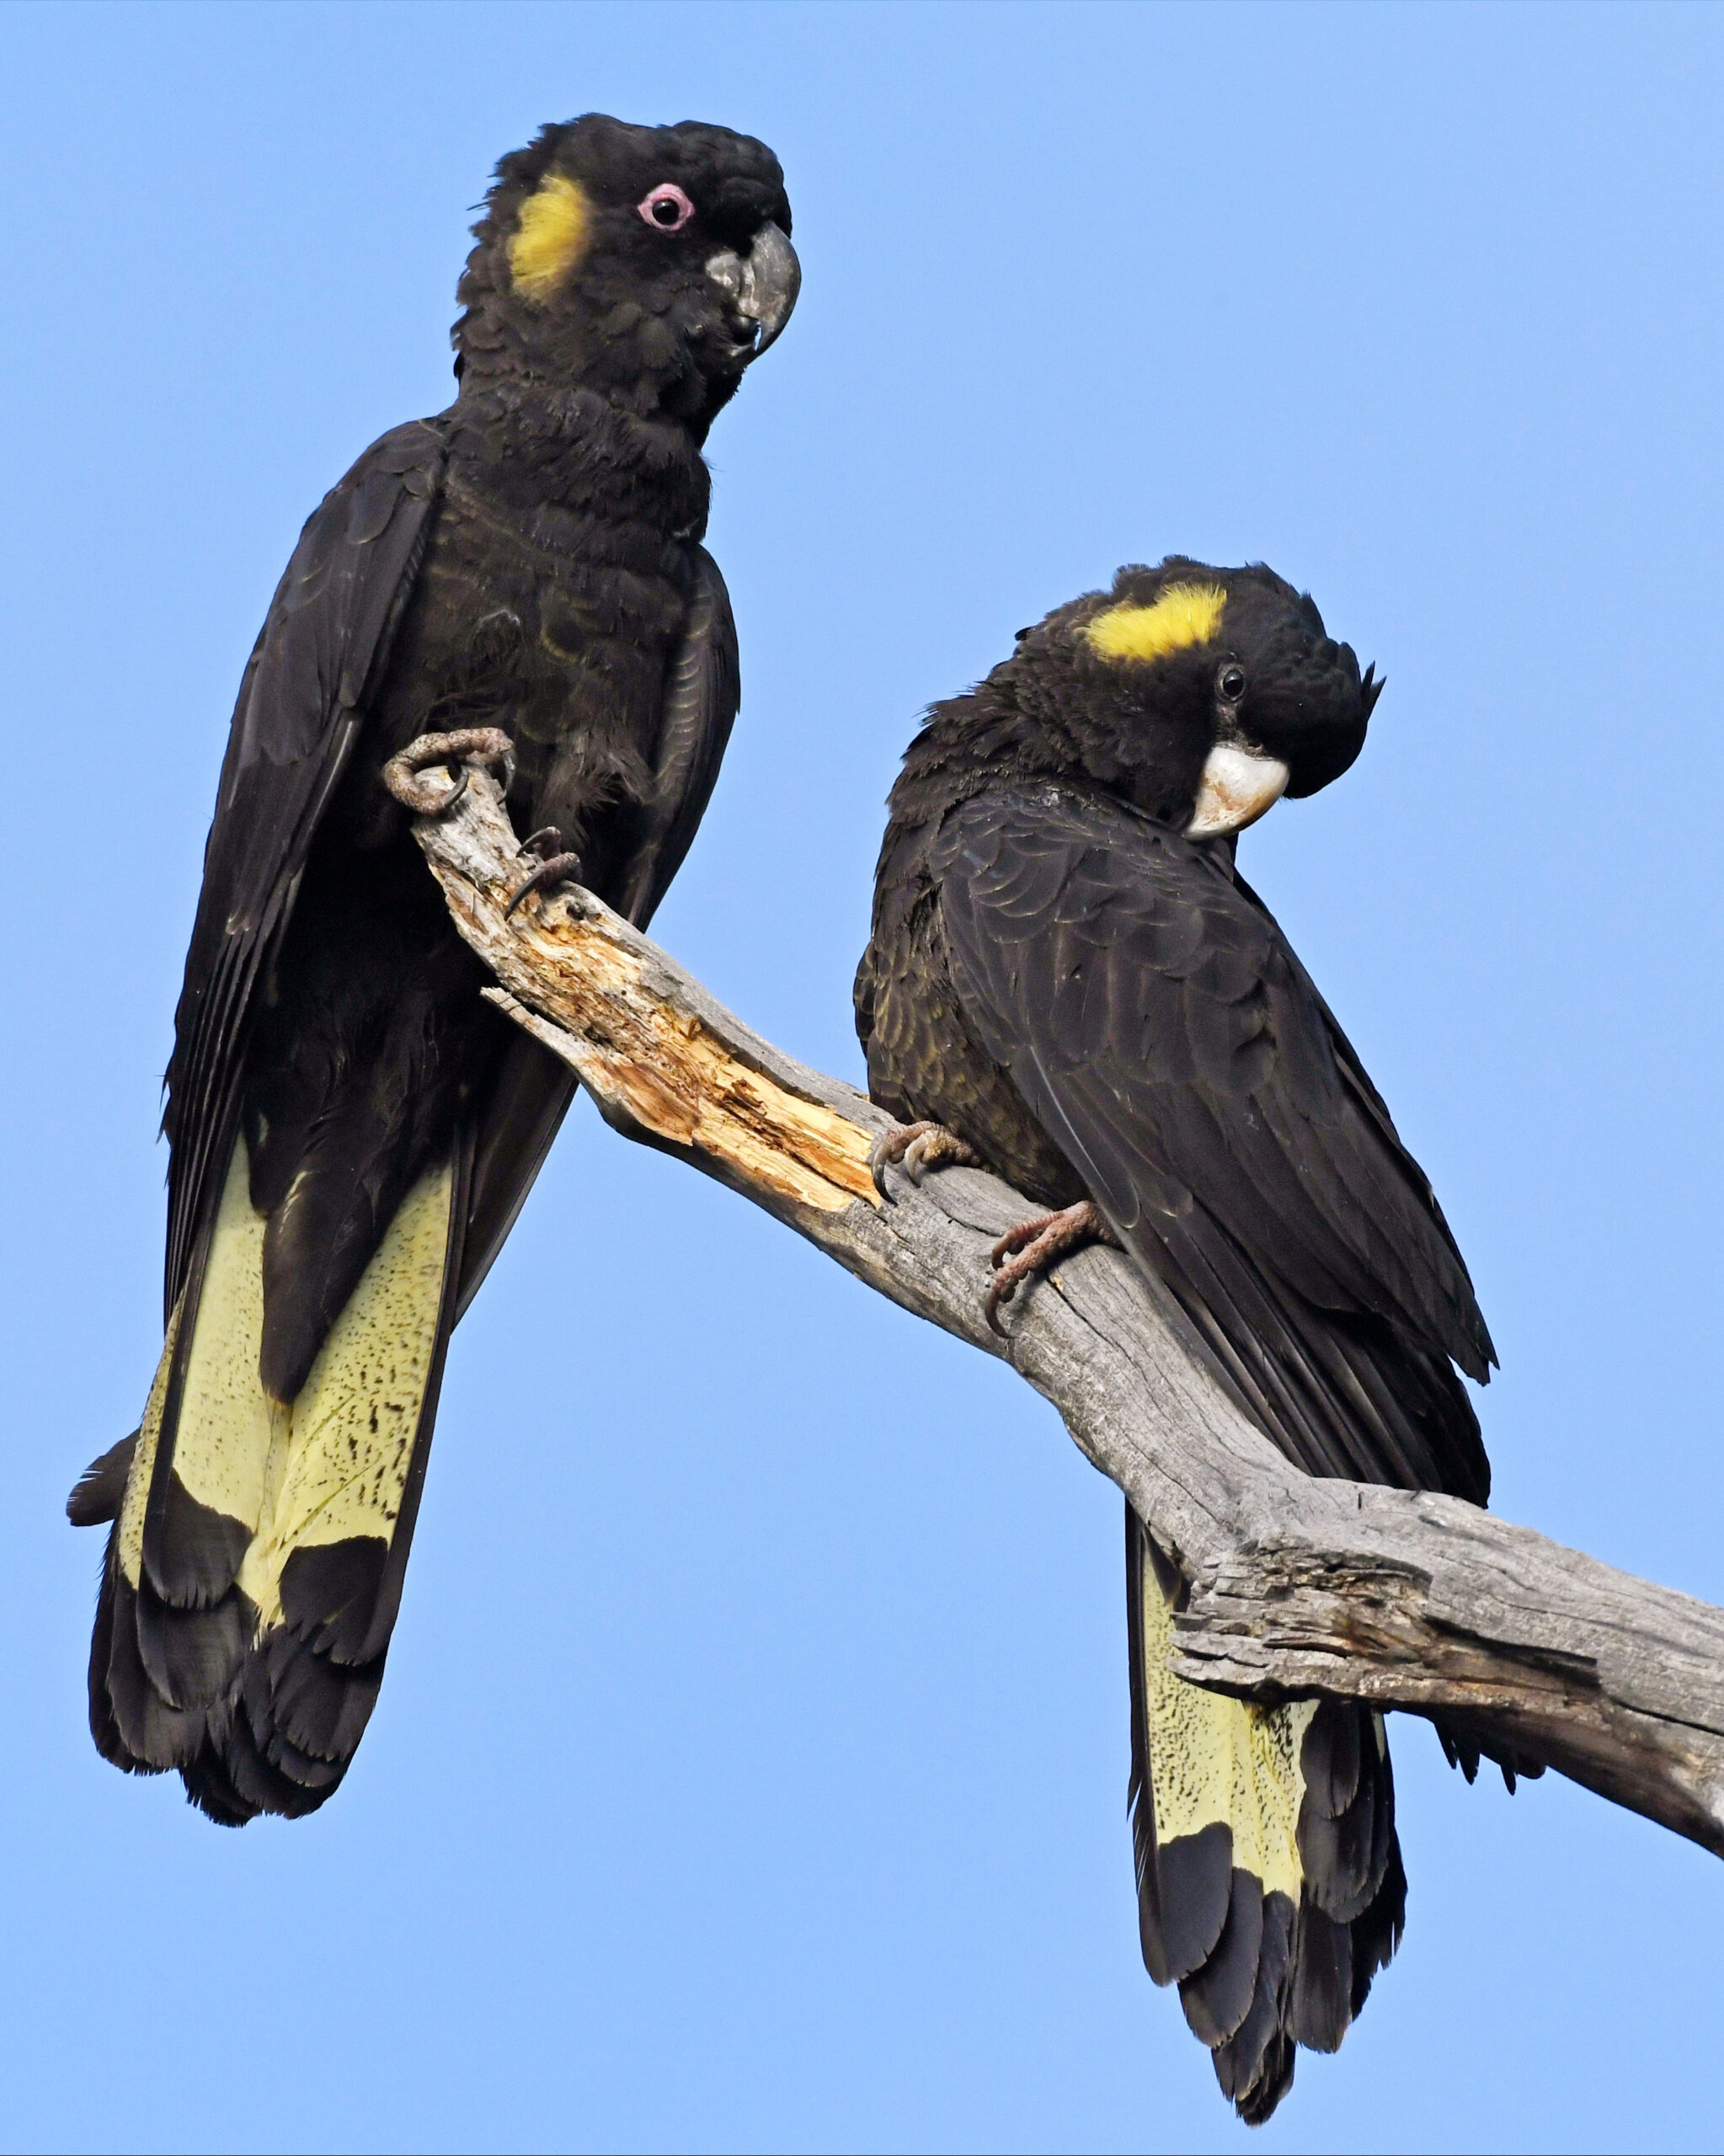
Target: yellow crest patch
550,239
1184,614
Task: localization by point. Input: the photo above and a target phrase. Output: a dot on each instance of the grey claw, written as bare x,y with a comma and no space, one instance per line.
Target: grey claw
881,1155
916,1148
560,868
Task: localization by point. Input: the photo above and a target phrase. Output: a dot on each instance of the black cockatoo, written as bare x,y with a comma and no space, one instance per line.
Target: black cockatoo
352,1129
1069,983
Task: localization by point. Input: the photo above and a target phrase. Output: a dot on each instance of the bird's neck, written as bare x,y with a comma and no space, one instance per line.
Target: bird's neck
539,443
971,744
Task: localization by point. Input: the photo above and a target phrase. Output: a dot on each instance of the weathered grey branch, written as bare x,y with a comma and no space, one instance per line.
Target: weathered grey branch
1296,1586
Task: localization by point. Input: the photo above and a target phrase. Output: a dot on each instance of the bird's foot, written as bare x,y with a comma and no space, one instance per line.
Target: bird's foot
1033,1246
918,1147
555,865
454,752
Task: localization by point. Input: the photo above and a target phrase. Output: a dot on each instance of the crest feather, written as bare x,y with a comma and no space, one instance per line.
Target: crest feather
1184,614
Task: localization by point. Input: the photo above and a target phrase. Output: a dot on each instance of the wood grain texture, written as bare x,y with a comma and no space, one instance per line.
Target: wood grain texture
1296,1586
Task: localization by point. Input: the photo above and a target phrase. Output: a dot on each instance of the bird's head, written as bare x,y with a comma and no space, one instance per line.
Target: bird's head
650,263
1202,695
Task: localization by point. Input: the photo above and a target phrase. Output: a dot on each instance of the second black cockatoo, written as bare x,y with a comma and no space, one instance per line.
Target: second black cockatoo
1069,982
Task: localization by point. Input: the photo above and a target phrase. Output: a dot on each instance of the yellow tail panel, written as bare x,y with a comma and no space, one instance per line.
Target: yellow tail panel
129,1528
344,1466
228,1424
1214,1760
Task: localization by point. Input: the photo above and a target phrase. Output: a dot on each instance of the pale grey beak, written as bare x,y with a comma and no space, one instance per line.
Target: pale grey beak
764,286
1238,786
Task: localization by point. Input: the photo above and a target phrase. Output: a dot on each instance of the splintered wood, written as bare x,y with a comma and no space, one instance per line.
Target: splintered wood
1295,1587
644,1054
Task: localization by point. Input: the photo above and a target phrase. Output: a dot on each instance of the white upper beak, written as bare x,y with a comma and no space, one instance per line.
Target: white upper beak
1238,786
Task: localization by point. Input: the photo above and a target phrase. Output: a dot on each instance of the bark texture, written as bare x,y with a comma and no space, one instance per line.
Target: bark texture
1296,1586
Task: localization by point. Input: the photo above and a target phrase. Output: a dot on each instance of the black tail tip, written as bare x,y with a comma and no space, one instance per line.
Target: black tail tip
1255,2105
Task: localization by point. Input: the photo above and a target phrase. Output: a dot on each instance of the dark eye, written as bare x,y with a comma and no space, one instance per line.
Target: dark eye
1230,681
667,207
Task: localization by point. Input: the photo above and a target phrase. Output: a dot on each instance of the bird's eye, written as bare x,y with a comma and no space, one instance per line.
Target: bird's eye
666,207
1230,681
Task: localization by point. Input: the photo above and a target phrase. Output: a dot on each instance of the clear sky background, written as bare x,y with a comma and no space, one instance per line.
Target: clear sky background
750,1772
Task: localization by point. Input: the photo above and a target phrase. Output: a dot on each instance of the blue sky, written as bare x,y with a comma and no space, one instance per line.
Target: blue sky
750,1771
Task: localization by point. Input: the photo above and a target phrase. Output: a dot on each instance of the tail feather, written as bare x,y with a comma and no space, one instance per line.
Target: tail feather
1270,1887
217,1426
1255,2065
1218,1995
255,1565
100,1490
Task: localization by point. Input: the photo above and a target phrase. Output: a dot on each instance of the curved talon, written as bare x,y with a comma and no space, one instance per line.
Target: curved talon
536,843
469,744
1009,1272
886,1150
918,1147
560,868
1032,1246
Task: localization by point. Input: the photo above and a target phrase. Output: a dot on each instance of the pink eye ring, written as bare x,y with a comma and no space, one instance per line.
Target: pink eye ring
667,209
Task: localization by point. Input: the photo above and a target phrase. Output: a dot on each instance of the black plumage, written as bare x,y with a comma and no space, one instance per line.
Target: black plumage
352,1129
1069,981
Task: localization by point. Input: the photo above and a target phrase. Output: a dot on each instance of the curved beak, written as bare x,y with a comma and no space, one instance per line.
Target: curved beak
1237,787
763,288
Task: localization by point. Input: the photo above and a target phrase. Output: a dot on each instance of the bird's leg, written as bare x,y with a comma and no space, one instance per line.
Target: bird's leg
471,744
555,865
918,1147
1033,1246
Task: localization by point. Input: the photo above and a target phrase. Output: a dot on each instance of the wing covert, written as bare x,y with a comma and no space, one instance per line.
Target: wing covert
1157,1023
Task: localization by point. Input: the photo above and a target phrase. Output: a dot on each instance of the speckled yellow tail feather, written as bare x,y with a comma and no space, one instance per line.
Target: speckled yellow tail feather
129,1528
228,1425
1214,1760
346,1465
335,1463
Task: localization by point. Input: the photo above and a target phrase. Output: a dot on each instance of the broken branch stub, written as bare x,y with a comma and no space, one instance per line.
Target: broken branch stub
1294,1587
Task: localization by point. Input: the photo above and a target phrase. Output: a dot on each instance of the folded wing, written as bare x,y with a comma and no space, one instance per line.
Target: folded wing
1159,1026
254,1562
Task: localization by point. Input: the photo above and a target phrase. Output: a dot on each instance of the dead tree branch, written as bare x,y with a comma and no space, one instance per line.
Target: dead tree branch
1296,1586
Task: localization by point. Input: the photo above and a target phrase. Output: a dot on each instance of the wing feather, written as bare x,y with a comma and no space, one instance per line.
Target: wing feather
321,655
703,691
1155,1020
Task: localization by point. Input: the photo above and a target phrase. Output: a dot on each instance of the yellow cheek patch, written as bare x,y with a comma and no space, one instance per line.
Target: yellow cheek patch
1184,614
550,239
